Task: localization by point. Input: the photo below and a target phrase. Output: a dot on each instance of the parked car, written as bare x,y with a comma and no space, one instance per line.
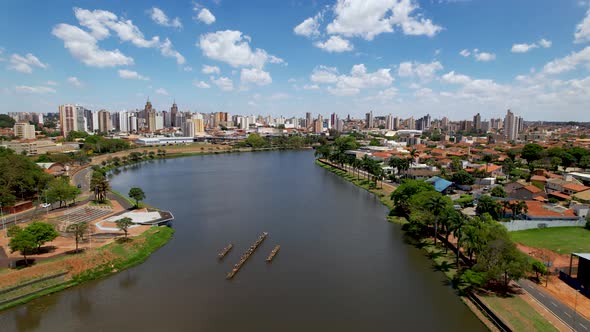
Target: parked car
45,205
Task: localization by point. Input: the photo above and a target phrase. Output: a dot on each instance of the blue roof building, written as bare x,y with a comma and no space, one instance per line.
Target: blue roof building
440,184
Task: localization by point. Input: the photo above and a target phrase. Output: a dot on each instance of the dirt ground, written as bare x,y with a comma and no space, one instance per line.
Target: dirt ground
65,244
555,286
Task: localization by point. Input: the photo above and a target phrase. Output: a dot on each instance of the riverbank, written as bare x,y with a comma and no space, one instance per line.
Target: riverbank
79,268
522,312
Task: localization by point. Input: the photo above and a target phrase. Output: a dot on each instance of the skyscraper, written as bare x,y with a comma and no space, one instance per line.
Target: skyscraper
173,111
477,122
24,130
308,120
67,119
318,125
389,122
369,120
511,126
104,121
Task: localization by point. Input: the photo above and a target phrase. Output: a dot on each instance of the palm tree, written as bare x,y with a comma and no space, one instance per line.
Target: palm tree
100,185
436,205
414,154
366,161
456,223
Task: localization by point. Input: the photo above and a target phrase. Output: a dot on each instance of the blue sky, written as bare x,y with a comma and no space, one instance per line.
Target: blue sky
444,57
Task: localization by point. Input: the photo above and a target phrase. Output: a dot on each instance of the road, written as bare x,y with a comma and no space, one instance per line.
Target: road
562,311
82,179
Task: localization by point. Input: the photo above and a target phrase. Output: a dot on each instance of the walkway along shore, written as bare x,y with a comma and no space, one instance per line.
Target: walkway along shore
246,255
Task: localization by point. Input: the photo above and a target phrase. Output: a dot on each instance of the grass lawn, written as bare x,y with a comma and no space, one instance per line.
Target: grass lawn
517,313
563,240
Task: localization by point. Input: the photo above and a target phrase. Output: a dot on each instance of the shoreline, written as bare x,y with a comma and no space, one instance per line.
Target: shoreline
468,303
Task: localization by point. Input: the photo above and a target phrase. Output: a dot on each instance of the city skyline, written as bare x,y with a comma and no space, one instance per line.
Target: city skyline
443,58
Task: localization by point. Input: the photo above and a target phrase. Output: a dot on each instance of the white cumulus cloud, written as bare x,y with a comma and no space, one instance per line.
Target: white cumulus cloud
25,64
131,75
205,16
201,85
484,56
255,76
569,62
162,91
161,18
424,71
465,53
524,47
582,34
210,70
34,89
73,80
167,50
335,44
348,85
233,48
368,19
223,83
309,27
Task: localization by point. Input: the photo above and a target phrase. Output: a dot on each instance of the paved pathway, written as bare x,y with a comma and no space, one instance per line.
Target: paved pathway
566,314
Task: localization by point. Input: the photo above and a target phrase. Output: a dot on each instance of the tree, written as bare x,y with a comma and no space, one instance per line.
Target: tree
255,141
401,196
60,190
6,121
532,152
137,194
124,224
436,205
555,162
42,232
487,205
498,191
375,142
24,242
456,223
296,142
99,185
463,178
538,268
501,260
78,230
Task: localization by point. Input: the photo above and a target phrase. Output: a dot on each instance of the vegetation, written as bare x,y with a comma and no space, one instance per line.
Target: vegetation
20,177
124,224
78,229
463,178
6,121
498,191
563,240
31,238
137,194
60,190
100,144
99,185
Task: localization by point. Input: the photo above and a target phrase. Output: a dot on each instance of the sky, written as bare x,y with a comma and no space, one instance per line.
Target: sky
451,58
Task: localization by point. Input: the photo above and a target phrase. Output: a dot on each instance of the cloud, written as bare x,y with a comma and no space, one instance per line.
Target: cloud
162,91
233,48
311,87
453,78
545,43
255,76
367,19
323,74
465,53
83,46
569,62
160,18
582,34
187,68
223,83
310,27
279,96
131,75
73,80
34,89
348,85
524,47
25,64
205,16
335,44
52,83
201,85
210,70
424,71
167,50
483,56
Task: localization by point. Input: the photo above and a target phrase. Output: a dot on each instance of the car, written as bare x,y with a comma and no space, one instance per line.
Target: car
45,205
79,186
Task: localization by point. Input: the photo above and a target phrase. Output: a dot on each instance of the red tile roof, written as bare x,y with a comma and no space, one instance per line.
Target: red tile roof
560,195
538,178
575,187
532,189
540,209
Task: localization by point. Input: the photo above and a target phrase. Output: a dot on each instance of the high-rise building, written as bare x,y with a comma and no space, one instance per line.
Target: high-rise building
104,121
396,123
67,118
333,119
308,120
369,120
410,123
173,112
318,126
24,130
88,115
389,122
511,126
445,123
151,120
477,123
